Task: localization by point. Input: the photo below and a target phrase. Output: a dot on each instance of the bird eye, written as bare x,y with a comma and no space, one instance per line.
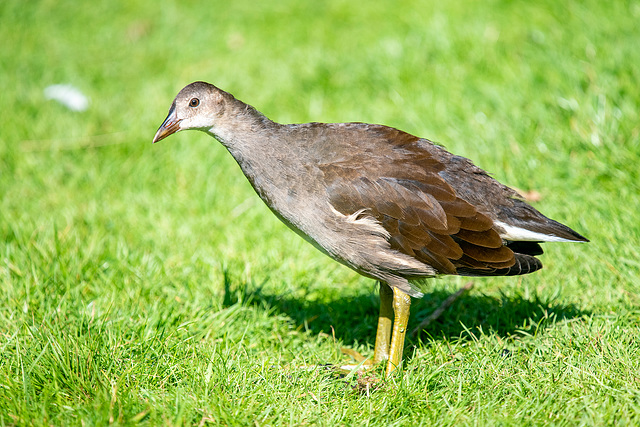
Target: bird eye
194,102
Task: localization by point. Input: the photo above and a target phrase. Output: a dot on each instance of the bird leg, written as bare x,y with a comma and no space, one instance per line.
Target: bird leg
389,342
401,306
383,335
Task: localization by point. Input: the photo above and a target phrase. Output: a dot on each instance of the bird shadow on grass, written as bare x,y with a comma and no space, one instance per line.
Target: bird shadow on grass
353,319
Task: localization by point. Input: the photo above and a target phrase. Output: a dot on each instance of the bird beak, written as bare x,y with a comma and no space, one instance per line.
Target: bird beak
170,126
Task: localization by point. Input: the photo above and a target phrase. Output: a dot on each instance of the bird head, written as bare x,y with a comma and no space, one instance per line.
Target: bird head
195,107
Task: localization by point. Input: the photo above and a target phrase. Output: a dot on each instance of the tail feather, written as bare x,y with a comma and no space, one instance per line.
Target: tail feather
524,264
522,222
526,248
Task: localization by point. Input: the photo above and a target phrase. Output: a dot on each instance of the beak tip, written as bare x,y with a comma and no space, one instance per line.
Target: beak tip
170,125
165,130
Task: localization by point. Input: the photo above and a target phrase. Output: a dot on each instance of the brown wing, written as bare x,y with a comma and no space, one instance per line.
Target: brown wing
402,189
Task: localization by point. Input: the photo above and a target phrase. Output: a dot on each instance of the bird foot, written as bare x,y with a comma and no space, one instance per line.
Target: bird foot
362,363
354,354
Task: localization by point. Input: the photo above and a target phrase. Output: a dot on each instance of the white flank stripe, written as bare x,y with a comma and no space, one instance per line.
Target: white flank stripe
518,234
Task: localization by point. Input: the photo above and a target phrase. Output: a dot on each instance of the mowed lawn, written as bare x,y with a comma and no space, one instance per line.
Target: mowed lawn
148,284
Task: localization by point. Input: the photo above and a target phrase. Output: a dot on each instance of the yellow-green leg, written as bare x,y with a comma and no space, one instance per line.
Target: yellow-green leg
389,341
383,335
401,307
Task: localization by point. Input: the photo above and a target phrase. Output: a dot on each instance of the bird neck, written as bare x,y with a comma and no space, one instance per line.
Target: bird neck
255,142
240,126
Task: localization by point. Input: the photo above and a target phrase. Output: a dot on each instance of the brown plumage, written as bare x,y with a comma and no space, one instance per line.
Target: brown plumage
388,204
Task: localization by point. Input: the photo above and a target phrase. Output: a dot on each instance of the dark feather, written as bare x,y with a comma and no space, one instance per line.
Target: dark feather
437,207
524,264
528,248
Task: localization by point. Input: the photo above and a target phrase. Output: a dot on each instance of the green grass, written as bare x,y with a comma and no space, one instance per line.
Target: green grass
147,284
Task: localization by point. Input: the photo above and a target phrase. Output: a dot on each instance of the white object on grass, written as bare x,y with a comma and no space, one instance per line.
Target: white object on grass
67,95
